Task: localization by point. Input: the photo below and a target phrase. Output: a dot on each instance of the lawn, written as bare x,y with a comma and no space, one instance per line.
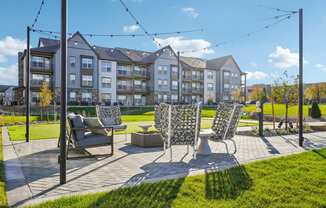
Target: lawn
3,197
12,120
51,130
280,109
292,181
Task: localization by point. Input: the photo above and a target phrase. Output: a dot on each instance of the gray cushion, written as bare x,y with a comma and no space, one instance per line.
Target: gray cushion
77,122
94,124
92,139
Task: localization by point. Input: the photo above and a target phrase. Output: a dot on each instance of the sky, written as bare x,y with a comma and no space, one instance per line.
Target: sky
264,55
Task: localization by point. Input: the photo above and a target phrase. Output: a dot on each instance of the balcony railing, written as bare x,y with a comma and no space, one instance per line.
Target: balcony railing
140,88
38,83
124,73
140,74
124,88
40,67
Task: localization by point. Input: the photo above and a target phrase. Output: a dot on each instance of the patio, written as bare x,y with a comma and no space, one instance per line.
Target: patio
32,169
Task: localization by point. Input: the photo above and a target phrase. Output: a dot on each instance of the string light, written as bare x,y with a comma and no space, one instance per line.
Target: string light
268,26
38,13
157,34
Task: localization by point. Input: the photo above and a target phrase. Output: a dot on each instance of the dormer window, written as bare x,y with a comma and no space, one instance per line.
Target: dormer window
87,63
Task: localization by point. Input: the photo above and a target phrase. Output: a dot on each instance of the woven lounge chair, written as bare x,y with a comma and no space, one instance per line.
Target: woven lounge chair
225,123
111,116
81,137
179,125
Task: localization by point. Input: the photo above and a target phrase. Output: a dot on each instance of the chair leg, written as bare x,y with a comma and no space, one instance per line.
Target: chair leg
126,136
188,149
171,154
164,147
234,145
112,149
226,146
194,154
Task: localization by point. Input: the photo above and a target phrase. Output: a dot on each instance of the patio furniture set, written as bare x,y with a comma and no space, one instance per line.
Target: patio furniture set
175,125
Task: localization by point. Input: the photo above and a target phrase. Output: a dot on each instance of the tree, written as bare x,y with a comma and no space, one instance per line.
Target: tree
45,97
236,95
315,92
315,111
255,93
286,91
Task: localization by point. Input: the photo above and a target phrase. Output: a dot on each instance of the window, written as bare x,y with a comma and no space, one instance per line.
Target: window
122,99
38,79
210,75
87,96
106,97
40,62
226,74
165,83
174,85
72,96
72,78
162,69
226,86
106,66
87,80
174,69
174,98
210,86
35,97
87,63
72,61
106,82
138,100
165,98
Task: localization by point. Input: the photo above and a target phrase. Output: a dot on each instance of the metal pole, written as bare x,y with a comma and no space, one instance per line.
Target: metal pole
301,77
27,90
180,82
63,91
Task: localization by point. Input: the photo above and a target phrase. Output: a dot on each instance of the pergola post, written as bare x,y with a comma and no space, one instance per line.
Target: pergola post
63,102
301,77
179,81
27,89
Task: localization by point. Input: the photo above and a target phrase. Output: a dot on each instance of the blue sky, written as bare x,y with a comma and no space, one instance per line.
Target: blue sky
264,55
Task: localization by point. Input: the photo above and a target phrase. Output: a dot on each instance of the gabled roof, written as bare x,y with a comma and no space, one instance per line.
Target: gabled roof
47,49
153,56
217,63
193,62
47,42
3,88
134,55
110,54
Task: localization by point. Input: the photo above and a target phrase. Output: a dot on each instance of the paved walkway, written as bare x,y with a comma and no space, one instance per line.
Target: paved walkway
32,171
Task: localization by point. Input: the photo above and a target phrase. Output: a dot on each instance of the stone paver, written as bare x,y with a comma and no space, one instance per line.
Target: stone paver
36,166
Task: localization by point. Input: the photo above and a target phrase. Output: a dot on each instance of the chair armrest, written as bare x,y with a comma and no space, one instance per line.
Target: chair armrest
102,127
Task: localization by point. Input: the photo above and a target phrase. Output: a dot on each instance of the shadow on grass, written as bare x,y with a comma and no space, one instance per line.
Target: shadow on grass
227,184
323,155
148,195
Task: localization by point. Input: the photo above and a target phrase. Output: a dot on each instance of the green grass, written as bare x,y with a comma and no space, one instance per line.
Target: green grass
12,120
3,197
292,181
280,109
51,130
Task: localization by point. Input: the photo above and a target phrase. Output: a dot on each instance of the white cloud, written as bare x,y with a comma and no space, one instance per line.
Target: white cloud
190,11
9,75
283,58
321,66
179,43
10,46
130,28
256,75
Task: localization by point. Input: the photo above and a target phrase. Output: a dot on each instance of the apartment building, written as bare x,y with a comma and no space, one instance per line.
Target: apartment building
129,77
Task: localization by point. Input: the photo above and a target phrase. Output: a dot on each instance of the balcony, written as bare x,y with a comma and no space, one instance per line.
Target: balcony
41,67
140,74
124,74
140,88
174,76
125,89
197,78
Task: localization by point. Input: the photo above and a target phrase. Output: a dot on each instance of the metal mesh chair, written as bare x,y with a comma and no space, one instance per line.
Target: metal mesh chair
179,125
225,123
111,116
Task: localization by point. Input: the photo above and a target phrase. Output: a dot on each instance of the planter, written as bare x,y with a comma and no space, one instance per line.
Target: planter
316,127
146,139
